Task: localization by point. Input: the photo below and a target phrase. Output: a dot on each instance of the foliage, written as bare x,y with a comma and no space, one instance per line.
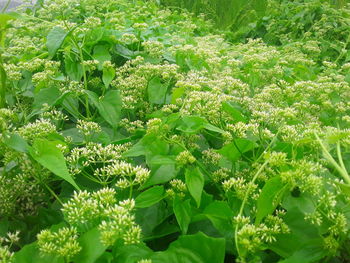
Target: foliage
135,133
316,27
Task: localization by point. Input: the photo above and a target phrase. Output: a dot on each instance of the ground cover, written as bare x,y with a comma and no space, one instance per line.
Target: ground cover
135,133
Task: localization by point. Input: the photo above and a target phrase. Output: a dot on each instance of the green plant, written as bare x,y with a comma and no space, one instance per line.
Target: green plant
133,133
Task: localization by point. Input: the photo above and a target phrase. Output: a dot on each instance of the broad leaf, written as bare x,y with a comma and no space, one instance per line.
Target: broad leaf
92,248
156,91
219,209
182,210
150,197
132,253
198,248
3,78
108,75
234,150
73,67
150,145
45,96
233,111
16,142
160,175
220,215
195,183
124,51
311,252
30,253
48,155
4,18
191,124
270,197
109,105
101,53
302,234
55,39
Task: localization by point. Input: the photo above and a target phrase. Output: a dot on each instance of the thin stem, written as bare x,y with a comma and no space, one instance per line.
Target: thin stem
245,201
340,158
81,57
6,6
130,191
54,194
330,159
91,177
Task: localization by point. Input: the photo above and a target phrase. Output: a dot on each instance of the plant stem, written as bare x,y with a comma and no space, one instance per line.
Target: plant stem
130,191
54,194
245,201
341,169
6,6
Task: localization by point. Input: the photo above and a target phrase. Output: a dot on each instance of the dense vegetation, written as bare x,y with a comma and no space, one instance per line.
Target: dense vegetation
137,132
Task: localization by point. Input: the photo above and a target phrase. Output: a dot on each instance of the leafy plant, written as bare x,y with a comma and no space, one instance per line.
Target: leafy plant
131,132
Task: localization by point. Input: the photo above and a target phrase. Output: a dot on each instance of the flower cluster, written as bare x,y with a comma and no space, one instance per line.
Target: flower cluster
114,219
63,242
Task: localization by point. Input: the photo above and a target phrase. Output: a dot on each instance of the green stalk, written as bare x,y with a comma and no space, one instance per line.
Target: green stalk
53,194
6,6
245,201
130,191
340,158
2,85
340,168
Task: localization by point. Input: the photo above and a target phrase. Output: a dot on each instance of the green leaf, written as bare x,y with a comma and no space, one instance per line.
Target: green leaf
106,257
220,215
191,124
149,218
234,150
47,96
109,105
233,111
162,159
132,253
270,197
312,252
16,142
30,253
48,155
260,6
177,93
108,75
213,128
219,209
344,187
195,183
156,91
124,51
4,226
182,210
150,145
161,175
3,88
73,67
92,248
198,248
150,197
4,18
55,39
101,53
71,105
302,234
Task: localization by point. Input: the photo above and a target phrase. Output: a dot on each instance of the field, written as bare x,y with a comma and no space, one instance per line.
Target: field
171,131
